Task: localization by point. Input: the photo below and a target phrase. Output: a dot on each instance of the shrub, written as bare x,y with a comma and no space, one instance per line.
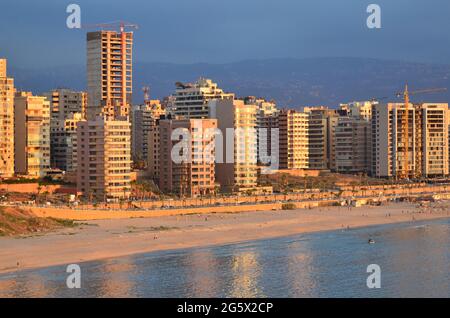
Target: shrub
288,206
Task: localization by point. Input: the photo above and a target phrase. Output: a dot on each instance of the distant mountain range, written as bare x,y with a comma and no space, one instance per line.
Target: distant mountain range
291,82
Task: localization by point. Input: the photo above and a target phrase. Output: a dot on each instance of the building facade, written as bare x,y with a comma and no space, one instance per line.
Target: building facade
193,174
143,121
104,159
7,92
104,140
266,125
191,99
361,110
67,107
321,125
435,120
109,73
63,142
427,148
352,145
294,139
237,169
31,135
65,102
153,152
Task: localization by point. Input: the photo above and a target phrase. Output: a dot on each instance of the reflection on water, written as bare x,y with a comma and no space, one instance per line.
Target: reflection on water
245,274
414,258
299,265
116,280
200,265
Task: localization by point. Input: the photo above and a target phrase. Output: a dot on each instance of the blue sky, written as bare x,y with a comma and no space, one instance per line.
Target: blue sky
34,33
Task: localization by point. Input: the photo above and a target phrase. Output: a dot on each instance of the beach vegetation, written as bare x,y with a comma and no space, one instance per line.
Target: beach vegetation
288,206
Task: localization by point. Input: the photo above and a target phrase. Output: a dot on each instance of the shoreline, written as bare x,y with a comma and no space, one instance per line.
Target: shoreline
107,239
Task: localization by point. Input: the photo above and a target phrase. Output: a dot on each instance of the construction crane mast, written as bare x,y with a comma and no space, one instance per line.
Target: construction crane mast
404,173
146,90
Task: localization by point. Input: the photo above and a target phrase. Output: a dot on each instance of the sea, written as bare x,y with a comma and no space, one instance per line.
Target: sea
395,260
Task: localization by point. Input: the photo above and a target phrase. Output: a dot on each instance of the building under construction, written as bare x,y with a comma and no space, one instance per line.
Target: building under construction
410,141
109,73
104,140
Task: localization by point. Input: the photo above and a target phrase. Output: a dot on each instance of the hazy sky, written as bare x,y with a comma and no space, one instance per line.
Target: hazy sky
34,33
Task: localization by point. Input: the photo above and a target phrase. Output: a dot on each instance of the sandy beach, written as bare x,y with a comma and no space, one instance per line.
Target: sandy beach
95,240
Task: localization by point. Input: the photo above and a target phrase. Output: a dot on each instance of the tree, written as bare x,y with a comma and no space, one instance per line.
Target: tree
39,188
46,193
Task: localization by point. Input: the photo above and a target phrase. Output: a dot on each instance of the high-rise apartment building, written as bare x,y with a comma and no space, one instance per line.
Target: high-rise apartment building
294,139
266,124
193,173
65,102
31,135
153,151
7,92
191,99
388,149
109,73
352,145
67,107
104,158
237,169
359,109
63,142
104,140
3,68
448,125
427,148
168,103
322,121
143,121
435,120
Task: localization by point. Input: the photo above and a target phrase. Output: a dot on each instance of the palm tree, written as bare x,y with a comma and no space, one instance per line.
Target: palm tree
39,188
161,199
146,188
46,193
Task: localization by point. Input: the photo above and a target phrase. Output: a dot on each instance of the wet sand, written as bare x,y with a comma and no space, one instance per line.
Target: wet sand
103,239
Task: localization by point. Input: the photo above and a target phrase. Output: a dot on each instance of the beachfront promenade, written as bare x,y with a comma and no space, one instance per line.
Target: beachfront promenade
310,199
